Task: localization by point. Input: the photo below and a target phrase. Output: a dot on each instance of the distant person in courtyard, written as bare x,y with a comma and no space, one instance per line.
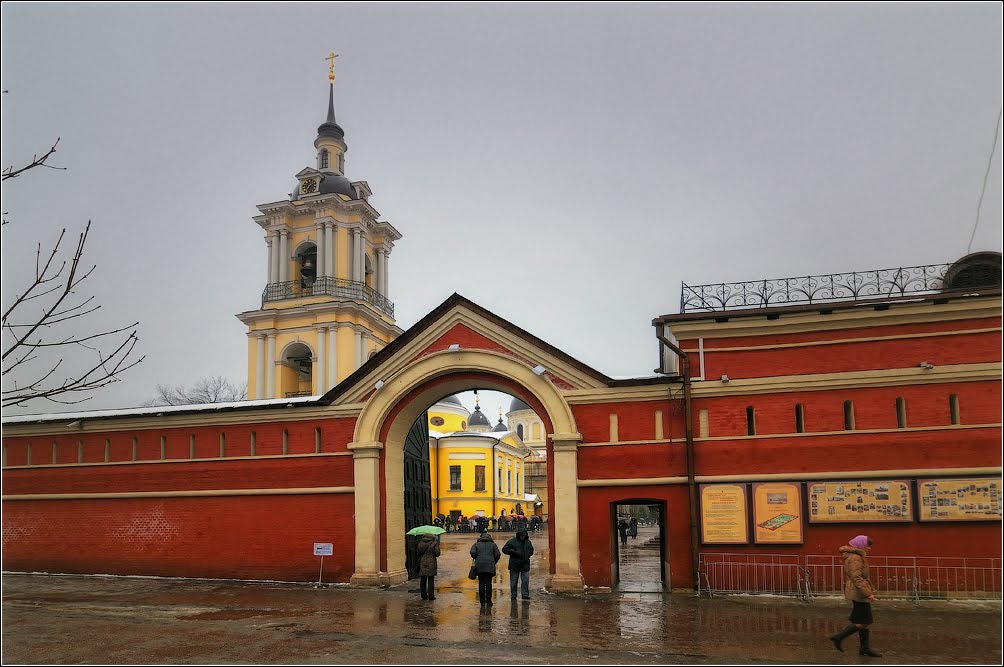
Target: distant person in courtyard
428,552
622,528
633,528
519,550
485,554
857,589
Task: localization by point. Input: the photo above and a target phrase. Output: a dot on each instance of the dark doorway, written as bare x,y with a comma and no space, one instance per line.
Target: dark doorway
639,561
417,486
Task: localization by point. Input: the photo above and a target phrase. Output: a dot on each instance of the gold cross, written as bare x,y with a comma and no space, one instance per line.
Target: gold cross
331,66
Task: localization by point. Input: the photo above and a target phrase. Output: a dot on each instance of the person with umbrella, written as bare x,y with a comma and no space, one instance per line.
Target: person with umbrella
428,551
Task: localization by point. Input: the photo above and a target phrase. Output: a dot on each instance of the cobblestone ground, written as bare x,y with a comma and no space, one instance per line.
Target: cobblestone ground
111,620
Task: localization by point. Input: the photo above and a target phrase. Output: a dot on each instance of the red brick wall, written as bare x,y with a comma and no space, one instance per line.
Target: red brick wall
249,537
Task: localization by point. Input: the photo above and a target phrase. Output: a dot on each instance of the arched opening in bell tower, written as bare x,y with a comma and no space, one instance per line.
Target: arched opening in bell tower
296,371
306,265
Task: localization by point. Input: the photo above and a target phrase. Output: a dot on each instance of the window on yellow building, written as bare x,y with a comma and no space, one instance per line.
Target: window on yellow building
454,478
479,478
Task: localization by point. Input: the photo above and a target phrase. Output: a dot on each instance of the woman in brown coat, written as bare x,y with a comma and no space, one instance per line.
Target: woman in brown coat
428,551
858,589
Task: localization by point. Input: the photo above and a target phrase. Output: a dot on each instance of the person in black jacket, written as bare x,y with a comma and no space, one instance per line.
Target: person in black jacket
519,549
485,554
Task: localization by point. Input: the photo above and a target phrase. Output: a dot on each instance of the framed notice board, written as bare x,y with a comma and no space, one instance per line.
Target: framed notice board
724,519
974,499
777,513
860,500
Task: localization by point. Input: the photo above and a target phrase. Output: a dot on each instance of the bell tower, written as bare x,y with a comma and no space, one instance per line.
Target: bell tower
325,306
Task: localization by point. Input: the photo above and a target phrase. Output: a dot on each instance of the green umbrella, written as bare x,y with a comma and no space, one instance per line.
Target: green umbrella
426,530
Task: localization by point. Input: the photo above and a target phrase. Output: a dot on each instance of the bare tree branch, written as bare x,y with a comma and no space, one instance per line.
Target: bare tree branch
11,172
217,389
44,318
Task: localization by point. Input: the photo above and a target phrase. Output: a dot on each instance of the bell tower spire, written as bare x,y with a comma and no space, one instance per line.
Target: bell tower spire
330,142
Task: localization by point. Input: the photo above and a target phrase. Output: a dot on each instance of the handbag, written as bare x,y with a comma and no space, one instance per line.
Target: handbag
473,574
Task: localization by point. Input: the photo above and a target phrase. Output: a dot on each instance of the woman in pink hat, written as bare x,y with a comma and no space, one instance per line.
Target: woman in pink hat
859,591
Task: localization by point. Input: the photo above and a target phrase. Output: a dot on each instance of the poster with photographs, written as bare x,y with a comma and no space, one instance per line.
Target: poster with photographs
777,513
871,500
960,499
723,514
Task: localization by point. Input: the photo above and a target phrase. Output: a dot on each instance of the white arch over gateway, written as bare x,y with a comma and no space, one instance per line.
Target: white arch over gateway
420,377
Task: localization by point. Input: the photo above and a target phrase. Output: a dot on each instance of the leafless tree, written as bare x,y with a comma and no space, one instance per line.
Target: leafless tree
42,327
216,389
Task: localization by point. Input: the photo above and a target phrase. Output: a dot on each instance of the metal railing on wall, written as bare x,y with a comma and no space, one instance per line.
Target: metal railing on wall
912,577
813,289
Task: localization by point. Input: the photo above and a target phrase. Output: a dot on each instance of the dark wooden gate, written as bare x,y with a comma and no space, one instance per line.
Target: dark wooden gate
417,489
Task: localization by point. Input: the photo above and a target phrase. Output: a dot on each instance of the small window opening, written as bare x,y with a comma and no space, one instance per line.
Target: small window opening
223,445
317,440
135,447
254,443
163,447
750,421
900,412
191,446
108,450
799,418
285,441
848,415
953,407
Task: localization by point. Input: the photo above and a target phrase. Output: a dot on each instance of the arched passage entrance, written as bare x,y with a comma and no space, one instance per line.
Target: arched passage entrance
378,451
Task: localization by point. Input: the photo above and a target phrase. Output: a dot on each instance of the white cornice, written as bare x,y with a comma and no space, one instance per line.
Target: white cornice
381,322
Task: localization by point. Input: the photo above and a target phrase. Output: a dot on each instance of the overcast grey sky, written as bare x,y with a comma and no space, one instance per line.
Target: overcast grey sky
564,166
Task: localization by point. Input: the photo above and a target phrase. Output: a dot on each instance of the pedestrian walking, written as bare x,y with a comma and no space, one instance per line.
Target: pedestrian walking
428,552
485,554
633,528
622,528
519,549
857,589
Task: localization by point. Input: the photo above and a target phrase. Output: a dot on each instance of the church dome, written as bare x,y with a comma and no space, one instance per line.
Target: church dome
478,418
500,427
337,184
452,400
518,405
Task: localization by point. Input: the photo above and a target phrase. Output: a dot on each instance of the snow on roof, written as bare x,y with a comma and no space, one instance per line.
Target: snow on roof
157,410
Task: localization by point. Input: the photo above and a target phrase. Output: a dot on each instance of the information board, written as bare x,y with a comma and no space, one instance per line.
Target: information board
323,549
723,514
977,499
777,513
869,500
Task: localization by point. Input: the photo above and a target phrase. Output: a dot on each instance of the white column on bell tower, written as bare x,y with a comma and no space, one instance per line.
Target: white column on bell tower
283,256
358,270
322,267
259,376
268,241
329,247
320,372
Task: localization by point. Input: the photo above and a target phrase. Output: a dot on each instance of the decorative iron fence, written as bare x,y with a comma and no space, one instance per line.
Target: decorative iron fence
813,289
730,573
327,286
913,577
298,394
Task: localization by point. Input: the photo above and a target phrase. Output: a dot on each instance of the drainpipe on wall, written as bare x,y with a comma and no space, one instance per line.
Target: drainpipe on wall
689,430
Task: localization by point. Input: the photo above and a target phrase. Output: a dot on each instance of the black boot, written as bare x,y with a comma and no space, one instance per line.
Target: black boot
866,650
838,638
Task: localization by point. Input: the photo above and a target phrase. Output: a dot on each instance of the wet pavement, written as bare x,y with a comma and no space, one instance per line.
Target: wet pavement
117,620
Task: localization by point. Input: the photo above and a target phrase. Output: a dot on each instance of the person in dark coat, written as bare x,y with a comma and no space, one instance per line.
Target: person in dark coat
485,554
633,528
622,528
858,589
519,549
428,552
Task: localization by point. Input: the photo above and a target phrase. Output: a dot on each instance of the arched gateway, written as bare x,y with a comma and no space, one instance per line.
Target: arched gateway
378,453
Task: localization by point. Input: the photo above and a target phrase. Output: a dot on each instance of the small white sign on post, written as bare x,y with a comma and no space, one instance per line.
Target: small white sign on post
322,549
